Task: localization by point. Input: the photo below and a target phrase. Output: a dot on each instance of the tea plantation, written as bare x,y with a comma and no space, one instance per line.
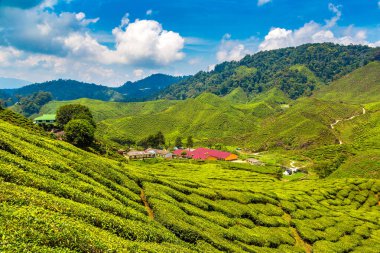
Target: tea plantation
57,198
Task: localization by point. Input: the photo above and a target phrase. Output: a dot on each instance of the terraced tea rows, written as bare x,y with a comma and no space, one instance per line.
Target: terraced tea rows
57,198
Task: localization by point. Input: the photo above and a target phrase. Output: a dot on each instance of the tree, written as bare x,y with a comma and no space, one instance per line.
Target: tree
32,104
67,113
153,141
190,142
178,142
79,132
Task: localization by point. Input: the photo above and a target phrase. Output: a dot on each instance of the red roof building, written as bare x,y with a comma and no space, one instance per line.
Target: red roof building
206,154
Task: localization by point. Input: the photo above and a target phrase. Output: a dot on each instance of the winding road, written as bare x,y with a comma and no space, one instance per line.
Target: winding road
339,120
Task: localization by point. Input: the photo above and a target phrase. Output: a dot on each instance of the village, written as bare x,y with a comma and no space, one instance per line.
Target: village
200,154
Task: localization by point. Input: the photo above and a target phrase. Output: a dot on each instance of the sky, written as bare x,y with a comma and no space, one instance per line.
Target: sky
110,42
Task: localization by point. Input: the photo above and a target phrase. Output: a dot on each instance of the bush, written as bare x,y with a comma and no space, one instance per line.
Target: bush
67,113
80,133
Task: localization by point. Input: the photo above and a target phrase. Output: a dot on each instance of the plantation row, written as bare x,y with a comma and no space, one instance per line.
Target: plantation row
57,198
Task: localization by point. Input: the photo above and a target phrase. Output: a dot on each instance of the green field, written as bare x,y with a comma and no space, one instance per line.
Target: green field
267,121
57,198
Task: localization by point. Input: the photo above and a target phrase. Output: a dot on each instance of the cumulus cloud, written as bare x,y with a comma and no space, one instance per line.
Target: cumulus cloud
262,2
149,12
39,31
146,42
232,50
67,34
37,42
313,32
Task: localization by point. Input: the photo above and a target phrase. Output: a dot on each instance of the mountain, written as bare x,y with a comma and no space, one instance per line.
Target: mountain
12,83
55,197
360,86
69,90
147,88
297,71
267,121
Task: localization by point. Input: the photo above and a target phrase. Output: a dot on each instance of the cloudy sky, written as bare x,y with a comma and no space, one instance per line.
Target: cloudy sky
112,41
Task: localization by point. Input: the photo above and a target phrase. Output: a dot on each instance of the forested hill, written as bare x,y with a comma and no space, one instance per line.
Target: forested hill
296,71
148,87
69,90
63,90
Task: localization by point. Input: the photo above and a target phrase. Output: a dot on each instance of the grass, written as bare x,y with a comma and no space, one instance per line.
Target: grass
264,122
360,87
57,198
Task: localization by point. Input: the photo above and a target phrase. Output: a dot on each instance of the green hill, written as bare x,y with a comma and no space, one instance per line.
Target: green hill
268,120
57,198
361,86
296,71
112,110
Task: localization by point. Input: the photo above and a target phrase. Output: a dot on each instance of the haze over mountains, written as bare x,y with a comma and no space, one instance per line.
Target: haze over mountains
12,83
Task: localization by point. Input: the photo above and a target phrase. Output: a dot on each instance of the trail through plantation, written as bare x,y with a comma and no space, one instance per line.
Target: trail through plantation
339,120
146,204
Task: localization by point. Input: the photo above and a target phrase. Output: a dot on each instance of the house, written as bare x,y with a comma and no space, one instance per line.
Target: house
254,161
45,119
136,155
169,156
158,152
205,154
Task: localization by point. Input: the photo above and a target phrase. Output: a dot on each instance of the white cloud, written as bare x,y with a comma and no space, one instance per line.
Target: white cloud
313,32
262,2
125,20
138,73
145,41
7,54
232,50
338,14
149,12
38,44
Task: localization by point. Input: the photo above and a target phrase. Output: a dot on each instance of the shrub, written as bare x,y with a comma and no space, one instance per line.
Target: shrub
80,133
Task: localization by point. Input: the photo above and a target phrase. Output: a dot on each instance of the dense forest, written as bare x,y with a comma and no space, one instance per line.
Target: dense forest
148,87
68,90
63,90
296,71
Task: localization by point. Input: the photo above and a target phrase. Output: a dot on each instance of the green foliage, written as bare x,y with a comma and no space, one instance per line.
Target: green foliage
79,132
19,120
153,141
190,142
70,112
264,70
57,198
360,86
178,142
32,104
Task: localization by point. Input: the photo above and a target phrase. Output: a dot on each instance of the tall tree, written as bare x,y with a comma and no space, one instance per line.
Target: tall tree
178,142
67,113
190,142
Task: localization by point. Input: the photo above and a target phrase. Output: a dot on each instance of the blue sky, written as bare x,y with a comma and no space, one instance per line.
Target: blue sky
112,41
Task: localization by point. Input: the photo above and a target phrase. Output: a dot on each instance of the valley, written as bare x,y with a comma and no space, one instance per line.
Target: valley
300,171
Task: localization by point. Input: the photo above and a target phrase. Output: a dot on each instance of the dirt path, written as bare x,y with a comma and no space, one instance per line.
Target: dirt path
146,204
299,241
351,118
